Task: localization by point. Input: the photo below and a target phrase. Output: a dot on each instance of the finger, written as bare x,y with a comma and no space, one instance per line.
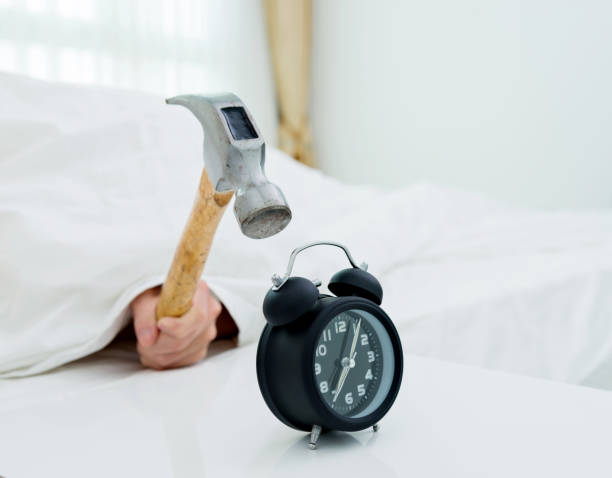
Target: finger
144,321
211,333
196,350
168,344
195,320
174,337
185,357
151,362
191,359
166,363
170,347
185,327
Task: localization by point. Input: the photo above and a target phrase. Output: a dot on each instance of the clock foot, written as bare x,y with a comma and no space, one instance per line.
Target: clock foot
314,436
375,427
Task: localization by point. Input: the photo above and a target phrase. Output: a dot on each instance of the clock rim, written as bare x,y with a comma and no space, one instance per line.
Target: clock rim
329,418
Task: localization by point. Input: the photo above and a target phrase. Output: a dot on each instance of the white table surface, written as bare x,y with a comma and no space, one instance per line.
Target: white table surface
106,417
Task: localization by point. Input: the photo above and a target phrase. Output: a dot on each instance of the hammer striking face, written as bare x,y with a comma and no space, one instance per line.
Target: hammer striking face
234,158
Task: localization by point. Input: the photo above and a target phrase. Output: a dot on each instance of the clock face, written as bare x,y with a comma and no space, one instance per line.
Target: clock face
353,363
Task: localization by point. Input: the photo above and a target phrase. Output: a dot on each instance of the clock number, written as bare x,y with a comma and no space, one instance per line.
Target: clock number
348,398
317,368
371,356
364,339
323,387
369,375
340,326
327,335
321,350
361,389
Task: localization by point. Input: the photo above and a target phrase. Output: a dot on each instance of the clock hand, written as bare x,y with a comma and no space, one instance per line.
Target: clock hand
354,344
352,355
335,375
338,367
345,371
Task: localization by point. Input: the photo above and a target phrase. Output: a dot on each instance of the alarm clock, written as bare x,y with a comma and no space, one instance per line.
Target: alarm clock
328,362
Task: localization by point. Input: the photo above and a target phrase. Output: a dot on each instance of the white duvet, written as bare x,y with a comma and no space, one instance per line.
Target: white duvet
95,186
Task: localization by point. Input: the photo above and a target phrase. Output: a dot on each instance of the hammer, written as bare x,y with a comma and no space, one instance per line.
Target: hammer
234,158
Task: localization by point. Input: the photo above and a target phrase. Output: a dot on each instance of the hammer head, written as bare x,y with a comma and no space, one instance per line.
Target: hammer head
234,157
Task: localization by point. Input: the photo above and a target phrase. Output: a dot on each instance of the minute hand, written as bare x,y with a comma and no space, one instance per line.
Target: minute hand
351,357
354,344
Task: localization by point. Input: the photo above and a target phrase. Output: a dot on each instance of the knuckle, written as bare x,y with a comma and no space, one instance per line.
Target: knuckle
212,333
216,308
171,326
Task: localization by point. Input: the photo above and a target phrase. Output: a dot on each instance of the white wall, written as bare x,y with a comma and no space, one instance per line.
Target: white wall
511,98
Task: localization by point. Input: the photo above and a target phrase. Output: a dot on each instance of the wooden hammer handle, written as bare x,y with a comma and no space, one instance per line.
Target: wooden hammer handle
191,254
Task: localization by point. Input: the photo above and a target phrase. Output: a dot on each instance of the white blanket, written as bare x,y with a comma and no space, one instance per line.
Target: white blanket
96,184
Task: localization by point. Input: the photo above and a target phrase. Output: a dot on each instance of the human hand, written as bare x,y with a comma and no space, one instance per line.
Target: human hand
175,341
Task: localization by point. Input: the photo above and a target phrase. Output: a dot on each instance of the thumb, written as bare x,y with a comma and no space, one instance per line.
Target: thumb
145,324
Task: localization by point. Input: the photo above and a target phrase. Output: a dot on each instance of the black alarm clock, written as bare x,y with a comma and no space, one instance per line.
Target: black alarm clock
328,362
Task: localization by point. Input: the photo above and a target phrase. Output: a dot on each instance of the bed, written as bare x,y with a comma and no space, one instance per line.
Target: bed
465,278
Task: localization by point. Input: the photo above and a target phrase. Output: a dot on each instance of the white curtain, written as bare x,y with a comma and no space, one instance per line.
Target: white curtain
160,46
